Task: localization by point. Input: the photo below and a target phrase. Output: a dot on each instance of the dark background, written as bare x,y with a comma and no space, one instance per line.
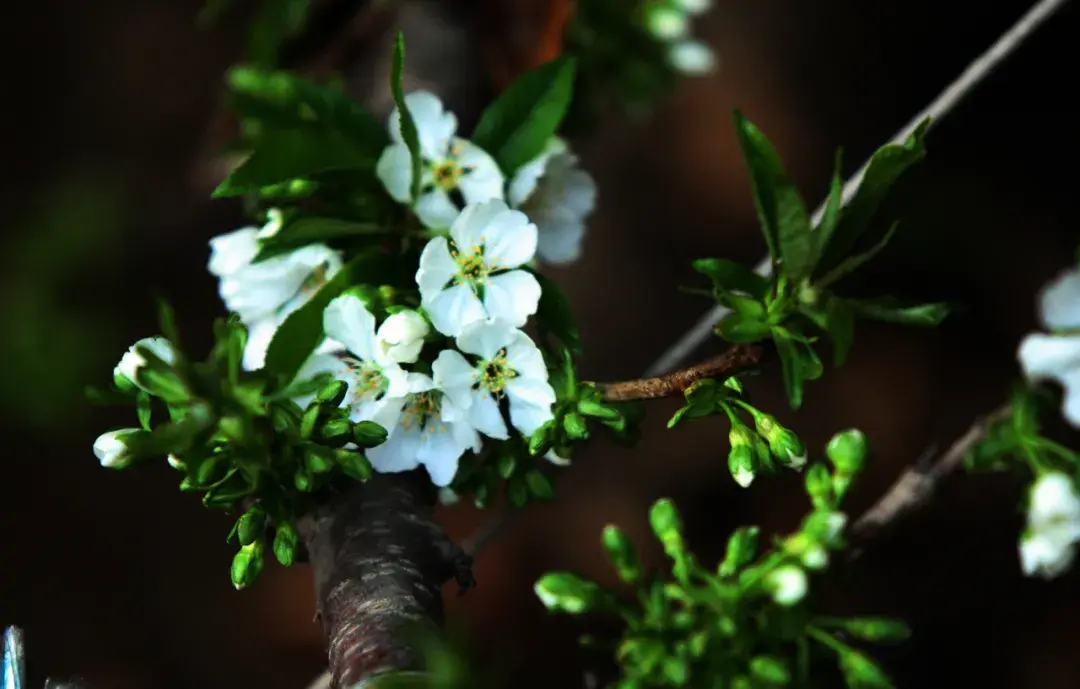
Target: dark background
119,577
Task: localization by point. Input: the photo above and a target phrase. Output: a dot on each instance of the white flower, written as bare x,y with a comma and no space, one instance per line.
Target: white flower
666,23
692,57
743,476
471,275
1048,547
507,364
694,6
430,430
449,164
377,385
176,463
558,196
556,459
111,450
264,294
401,336
788,584
132,361
1057,356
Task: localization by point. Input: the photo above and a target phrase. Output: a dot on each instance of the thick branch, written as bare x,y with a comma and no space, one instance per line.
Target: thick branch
917,483
737,358
379,562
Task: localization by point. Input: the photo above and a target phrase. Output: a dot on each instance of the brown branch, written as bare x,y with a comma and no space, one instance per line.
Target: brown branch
917,484
379,562
736,359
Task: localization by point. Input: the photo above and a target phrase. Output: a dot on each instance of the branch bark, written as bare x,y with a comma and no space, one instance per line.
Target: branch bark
379,562
737,358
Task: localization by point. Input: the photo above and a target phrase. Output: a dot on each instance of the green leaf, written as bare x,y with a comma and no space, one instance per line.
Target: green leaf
312,229
789,353
741,550
287,101
539,485
862,673
831,215
620,551
875,629
408,126
840,324
853,263
742,327
889,310
732,276
302,331
554,315
885,167
285,155
780,209
566,592
517,126
274,23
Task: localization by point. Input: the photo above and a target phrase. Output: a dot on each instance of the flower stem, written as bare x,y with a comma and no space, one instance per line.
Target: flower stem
736,359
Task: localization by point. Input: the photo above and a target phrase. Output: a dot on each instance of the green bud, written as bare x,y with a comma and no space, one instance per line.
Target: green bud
620,550
539,485
247,564
825,526
302,481
598,410
333,394
676,670
617,424
847,451
309,421
819,486
251,525
727,627
281,419
741,456
318,459
667,525
698,643
741,550
741,682
369,434
354,464
517,491
783,444
574,425
859,671
542,439
770,669
285,542
337,432
733,383
876,629
234,428
566,592
505,465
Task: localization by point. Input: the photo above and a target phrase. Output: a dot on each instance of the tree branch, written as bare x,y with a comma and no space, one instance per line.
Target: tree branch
915,486
941,106
737,358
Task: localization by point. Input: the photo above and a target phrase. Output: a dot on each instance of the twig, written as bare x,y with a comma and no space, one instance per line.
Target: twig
917,483
737,358
486,533
946,101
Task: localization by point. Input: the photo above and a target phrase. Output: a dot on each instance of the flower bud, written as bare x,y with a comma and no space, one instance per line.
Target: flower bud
620,550
847,451
741,457
132,361
787,584
665,23
401,336
111,448
566,592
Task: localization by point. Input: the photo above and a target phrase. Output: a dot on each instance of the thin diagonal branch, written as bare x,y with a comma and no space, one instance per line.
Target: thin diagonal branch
945,103
917,484
737,358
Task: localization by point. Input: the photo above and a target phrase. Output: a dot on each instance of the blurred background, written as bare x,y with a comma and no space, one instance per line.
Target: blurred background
120,578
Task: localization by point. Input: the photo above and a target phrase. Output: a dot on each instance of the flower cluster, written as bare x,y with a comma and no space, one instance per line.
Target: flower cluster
1056,355
453,366
1048,546
669,21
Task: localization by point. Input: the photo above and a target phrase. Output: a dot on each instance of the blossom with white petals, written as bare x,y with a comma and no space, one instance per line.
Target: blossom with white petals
401,336
450,164
111,450
430,431
788,584
507,365
1048,546
557,195
666,22
377,384
264,294
132,361
1056,356
692,57
471,275
694,6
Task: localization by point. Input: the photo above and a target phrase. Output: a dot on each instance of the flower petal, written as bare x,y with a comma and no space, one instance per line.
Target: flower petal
525,357
454,376
452,309
485,416
437,268
527,177
258,342
436,210
560,240
486,338
398,453
532,391
471,227
512,296
231,252
435,126
1049,356
348,321
692,57
529,417
401,336
509,240
1059,304
394,170
1070,405
482,179
440,453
